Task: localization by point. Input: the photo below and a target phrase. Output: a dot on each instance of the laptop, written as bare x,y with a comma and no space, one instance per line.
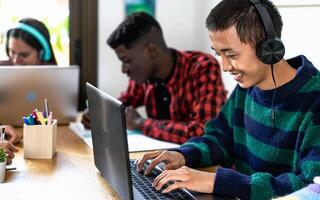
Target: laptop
111,157
24,88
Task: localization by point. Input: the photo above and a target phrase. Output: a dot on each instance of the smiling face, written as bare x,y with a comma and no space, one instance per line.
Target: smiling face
239,59
136,62
21,53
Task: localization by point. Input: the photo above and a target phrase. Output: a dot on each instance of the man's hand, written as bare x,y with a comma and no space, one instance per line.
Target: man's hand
172,159
9,149
85,120
12,135
134,119
187,178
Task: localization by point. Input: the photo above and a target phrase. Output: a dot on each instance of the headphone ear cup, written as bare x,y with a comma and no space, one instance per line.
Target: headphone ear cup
41,55
7,43
7,49
270,51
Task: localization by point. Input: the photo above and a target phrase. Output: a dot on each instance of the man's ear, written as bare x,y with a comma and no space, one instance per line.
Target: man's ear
152,49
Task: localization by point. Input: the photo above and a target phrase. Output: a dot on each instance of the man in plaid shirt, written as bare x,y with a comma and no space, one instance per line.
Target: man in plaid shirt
181,90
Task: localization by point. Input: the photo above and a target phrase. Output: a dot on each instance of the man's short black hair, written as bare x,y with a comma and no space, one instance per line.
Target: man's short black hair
243,15
135,28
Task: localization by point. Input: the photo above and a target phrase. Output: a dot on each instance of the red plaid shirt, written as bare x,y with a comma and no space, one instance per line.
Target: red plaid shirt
196,92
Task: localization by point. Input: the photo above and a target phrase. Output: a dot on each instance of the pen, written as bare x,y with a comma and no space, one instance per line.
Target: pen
2,134
46,108
34,112
41,118
26,121
49,119
31,119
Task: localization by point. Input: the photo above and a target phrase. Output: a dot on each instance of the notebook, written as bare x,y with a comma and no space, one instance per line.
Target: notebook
110,151
24,88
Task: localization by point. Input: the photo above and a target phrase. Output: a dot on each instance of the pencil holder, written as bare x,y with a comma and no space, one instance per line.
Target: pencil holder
39,141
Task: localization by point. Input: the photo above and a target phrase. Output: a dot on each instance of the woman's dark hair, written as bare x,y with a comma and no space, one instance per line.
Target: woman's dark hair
31,40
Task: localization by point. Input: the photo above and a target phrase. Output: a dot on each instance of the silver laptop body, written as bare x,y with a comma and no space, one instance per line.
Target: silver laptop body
24,88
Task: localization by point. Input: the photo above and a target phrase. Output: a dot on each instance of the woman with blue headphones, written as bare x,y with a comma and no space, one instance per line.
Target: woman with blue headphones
28,43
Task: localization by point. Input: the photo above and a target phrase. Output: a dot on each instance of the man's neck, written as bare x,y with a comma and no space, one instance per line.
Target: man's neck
283,73
166,62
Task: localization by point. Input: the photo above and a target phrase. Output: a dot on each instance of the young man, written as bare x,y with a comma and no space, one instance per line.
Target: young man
266,137
181,90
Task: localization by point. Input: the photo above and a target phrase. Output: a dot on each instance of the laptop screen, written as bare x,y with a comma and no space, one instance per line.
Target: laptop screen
109,140
24,88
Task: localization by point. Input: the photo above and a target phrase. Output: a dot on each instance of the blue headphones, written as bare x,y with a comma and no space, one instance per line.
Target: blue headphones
45,53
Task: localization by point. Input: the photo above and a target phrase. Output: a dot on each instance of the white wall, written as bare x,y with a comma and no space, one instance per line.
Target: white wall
183,23
301,32
110,78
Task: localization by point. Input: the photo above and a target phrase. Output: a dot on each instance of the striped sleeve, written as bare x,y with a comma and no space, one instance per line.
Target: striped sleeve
216,145
265,185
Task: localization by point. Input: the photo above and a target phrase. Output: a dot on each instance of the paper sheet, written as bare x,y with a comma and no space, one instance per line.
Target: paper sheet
136,141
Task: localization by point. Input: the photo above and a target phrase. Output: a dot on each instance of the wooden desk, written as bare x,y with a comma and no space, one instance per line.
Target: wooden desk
71,174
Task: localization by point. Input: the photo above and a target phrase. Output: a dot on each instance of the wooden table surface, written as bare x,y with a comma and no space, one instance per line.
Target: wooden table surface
71,174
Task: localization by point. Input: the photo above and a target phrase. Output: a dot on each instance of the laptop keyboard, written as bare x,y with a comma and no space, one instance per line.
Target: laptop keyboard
144,185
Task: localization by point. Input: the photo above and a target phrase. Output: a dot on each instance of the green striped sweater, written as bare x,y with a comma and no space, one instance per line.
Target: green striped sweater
259,157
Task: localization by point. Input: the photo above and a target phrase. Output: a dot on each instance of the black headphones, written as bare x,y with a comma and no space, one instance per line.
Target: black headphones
270,49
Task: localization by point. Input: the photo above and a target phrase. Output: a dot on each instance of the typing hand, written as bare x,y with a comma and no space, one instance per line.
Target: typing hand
12,134
172,160
85,120
185,177
9,149
159,167
133,119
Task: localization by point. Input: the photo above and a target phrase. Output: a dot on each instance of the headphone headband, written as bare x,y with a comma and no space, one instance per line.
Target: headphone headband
270,49
42,40
265,18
